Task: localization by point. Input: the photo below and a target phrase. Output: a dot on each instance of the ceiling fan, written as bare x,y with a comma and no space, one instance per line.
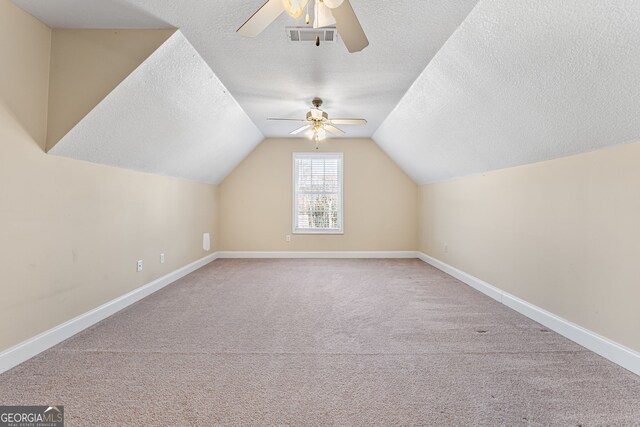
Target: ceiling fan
326,13
317,123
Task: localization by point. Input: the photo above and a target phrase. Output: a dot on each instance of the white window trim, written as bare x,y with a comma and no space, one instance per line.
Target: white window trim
293,194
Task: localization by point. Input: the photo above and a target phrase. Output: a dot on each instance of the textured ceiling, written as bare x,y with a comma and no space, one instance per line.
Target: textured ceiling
271,77
85,13
514,82
521,82
171,116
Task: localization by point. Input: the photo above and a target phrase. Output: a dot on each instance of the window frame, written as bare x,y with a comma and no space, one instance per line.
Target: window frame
294,205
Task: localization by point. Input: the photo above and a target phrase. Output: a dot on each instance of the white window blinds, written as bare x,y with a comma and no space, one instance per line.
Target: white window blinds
317,193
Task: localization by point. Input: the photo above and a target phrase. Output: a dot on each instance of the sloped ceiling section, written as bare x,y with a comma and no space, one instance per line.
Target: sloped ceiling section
111,13
171,116
521,82
86,65
272,77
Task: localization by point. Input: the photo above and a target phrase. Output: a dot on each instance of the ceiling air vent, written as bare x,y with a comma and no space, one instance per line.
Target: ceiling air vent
308,34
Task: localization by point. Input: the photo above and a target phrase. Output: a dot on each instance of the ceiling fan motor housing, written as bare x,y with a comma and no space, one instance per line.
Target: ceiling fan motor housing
317,115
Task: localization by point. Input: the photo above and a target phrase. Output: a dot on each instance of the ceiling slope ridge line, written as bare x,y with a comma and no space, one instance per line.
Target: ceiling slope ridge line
64,112
504,90
432,60
172,116
394,158
235,101
175,32
94,14
416,81
237,104
128,76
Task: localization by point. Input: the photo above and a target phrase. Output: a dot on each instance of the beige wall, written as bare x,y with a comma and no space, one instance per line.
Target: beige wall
380,201
563,235
71,232
86,65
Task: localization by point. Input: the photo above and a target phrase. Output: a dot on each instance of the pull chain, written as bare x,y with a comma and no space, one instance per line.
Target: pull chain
308,18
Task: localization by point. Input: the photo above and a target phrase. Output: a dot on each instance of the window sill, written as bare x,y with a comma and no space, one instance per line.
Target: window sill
318,232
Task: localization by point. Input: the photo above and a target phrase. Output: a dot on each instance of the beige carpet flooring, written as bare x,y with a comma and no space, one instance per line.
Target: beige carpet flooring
324,342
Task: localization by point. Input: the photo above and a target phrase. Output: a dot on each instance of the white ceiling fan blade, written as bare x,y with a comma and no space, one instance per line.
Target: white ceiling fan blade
349,27
348,121
289,120
334,130
261,19
300,129
322,16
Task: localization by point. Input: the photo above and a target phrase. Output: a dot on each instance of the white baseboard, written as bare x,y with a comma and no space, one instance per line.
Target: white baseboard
611,350
470,280
33,346
328,254
617,353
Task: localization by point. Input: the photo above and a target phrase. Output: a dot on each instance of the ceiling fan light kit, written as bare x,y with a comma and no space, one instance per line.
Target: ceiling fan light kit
295,8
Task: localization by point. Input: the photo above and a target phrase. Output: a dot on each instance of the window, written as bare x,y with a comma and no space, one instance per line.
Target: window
317,193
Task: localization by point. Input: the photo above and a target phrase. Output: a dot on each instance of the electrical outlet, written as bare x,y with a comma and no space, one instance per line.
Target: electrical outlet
139,265
446,249
287,237
161,258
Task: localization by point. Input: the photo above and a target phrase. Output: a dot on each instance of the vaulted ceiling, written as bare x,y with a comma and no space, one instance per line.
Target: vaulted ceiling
521,82
450,87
